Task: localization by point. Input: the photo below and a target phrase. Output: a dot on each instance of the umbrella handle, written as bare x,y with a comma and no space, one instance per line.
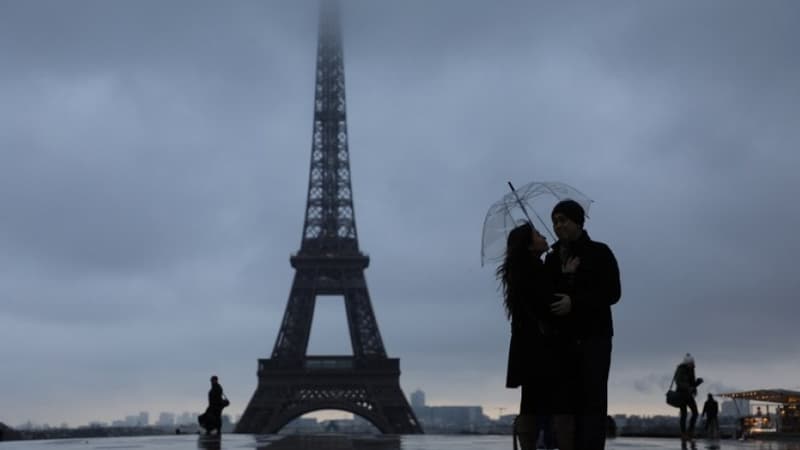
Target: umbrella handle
525,211
521,205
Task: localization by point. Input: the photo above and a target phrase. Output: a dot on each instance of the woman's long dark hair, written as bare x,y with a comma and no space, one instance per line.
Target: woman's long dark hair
516,267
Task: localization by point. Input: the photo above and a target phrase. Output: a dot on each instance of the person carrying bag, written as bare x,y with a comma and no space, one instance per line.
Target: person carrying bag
683,396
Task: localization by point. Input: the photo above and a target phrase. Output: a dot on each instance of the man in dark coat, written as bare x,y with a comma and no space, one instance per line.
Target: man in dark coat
711,412
590,291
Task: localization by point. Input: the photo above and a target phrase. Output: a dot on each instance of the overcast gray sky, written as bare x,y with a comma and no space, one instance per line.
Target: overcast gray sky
154,168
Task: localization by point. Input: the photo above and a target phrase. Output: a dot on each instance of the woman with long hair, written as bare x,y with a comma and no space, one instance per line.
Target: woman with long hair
539,358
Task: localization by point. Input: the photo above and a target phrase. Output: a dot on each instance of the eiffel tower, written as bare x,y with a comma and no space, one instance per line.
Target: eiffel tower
329,262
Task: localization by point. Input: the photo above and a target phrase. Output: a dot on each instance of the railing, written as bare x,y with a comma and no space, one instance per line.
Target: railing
327,363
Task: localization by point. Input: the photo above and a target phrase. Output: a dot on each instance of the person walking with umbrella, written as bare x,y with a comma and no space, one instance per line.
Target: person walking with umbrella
592,288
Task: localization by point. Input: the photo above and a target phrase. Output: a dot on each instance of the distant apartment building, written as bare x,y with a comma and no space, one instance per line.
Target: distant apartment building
186,419
506,419
166,419
302,424
451,418
417,399
447,418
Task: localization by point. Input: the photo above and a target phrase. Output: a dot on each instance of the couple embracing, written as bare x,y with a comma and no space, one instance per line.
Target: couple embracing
561,328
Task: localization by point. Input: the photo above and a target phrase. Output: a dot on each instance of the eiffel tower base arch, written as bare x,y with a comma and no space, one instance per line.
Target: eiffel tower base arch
369,389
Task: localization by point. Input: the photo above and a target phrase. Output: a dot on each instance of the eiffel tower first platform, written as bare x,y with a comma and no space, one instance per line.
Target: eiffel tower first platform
329,262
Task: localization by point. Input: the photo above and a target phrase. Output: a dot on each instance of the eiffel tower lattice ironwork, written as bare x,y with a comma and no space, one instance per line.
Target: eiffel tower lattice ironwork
329,262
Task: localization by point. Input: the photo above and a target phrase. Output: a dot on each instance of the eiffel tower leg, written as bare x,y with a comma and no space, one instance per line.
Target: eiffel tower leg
364,334
394,407
292,340
263,406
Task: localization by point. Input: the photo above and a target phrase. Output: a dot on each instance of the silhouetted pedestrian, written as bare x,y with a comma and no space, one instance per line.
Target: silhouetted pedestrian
710,412
686,384
538,353
212,419
591,290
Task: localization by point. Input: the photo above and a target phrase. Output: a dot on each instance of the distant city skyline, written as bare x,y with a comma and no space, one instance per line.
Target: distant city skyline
417,399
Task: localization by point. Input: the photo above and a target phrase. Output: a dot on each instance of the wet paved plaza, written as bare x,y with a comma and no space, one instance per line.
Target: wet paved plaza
354,442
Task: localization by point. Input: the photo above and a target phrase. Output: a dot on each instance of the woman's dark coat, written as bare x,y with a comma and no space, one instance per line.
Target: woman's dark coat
528,349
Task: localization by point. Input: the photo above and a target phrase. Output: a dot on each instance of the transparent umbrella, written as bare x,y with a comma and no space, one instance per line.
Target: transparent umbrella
532,203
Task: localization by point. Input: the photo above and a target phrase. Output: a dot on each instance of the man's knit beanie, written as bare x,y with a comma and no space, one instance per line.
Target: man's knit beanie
572,209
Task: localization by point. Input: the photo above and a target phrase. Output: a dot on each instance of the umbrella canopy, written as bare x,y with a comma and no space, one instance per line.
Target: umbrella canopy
532,203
